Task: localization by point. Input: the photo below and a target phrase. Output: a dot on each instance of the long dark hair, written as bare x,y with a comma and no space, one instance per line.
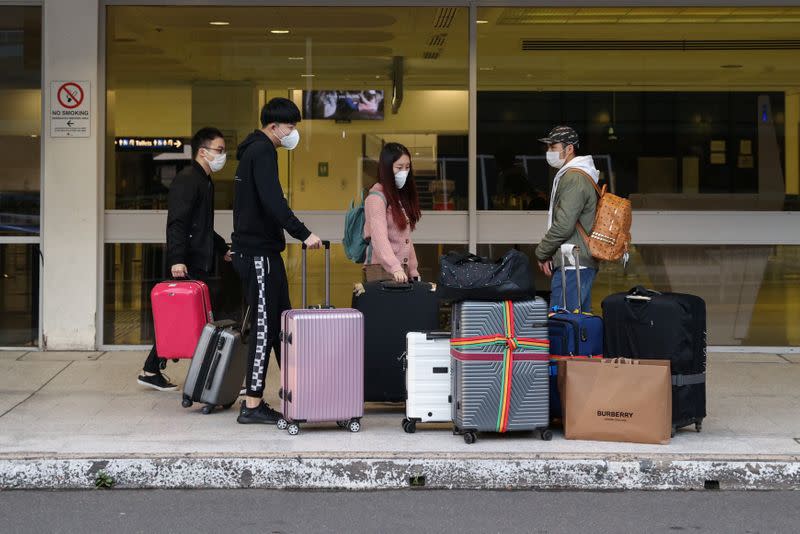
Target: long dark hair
407,197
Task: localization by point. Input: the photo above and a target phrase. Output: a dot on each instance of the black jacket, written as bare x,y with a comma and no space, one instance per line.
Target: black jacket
191,238
260,211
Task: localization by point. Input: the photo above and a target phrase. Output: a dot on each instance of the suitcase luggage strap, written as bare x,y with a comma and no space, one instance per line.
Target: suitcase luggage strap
511,342
688,380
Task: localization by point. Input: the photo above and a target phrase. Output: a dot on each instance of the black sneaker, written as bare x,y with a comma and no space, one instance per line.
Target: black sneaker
262,414
159,381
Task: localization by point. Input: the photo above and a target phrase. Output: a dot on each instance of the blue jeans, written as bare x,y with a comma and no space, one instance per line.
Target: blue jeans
587,279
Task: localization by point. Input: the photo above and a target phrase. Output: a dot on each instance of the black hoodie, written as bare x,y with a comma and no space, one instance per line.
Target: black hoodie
260,211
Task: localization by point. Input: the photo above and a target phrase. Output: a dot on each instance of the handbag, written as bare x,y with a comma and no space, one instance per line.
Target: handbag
465,276
374,272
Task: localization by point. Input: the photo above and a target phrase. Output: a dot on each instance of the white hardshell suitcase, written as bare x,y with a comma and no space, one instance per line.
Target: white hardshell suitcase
427,379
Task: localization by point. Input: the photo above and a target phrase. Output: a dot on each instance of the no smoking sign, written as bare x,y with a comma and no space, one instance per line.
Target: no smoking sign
70,112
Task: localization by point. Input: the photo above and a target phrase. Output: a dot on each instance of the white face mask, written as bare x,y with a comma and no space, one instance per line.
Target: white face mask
554,159
218,162
291,140
400,179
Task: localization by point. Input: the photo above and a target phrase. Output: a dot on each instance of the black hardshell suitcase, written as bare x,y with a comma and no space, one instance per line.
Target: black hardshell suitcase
391,311
646,324
218,367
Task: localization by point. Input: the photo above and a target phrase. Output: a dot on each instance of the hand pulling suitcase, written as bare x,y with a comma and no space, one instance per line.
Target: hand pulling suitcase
322,368
572,335
392,310
647,324
181,309
427,364
499,367
218,367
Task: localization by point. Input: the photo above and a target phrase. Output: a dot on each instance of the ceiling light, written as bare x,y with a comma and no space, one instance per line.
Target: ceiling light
482,21
279,32
307,75
486,68
219,23
731,66
296,58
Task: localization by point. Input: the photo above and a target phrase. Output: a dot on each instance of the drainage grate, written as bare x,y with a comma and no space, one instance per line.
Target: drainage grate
711,484
444,17
417,481
438,40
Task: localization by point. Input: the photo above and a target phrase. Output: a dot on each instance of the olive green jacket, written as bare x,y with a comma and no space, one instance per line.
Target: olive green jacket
575,198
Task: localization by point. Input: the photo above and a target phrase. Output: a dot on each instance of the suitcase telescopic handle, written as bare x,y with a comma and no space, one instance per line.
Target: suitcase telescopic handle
304,274
576,252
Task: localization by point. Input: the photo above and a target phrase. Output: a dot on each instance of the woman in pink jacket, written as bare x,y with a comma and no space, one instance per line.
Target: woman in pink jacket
391,213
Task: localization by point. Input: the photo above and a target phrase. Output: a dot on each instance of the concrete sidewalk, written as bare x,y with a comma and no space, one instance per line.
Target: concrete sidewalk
67,416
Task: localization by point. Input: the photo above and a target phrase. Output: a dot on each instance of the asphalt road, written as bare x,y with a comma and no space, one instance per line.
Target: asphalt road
274,512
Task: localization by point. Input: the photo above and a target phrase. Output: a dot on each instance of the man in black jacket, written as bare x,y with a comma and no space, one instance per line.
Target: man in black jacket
192,243
260,217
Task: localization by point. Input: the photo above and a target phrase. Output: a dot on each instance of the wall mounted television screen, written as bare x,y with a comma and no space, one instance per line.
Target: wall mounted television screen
343,105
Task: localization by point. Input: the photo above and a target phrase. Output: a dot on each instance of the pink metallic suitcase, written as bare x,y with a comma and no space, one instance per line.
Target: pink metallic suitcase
322,368
181,308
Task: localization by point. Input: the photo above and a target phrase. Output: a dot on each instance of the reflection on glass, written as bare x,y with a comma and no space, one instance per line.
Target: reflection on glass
752,293
20,119
673,125
19,295
131,271
363,76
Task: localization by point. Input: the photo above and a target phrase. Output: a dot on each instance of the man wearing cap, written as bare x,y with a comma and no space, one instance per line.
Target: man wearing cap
573,199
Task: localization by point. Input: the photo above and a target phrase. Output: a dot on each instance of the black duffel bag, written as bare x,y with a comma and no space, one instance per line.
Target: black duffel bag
464,276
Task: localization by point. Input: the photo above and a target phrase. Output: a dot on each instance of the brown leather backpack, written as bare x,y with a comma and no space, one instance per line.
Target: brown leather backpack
611,232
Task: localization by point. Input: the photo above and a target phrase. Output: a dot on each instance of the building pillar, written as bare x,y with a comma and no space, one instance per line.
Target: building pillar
71,182
792,142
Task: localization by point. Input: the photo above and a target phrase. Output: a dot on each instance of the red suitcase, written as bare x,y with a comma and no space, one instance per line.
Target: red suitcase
181,308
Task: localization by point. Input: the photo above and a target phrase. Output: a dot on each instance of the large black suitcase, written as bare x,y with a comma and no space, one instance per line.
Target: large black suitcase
647,324
391,311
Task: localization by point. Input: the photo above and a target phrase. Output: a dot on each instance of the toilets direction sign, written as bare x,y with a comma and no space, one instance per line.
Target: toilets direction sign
70,110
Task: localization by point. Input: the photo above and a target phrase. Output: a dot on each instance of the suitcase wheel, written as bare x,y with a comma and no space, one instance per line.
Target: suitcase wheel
698,426
409,426
470,438
282,424
207,409
186,402
342,424
293,429
227,406
672,434
547,434
355,425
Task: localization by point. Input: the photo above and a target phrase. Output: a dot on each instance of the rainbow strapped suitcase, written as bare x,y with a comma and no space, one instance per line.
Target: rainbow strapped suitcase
322,367
499,368
181,309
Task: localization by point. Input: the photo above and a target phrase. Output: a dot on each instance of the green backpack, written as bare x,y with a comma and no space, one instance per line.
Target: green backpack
355,246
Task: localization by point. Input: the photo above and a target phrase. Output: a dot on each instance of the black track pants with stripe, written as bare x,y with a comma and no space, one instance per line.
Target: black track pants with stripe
266,290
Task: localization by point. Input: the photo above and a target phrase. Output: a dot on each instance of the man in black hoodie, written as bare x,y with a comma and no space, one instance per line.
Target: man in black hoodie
192,244
260,216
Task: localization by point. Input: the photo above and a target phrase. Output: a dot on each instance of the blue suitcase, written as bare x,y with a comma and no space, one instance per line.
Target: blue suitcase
572,334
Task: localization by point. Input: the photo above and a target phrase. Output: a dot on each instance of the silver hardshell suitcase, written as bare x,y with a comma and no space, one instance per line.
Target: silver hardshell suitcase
499,368
218,367
427,364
